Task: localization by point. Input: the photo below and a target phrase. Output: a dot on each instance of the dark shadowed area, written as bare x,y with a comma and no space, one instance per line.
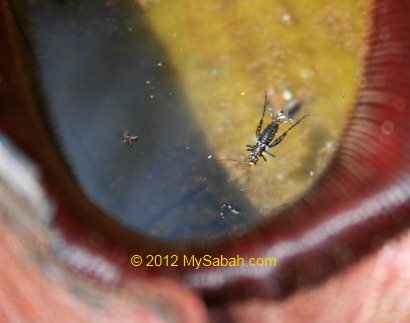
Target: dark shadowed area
103,73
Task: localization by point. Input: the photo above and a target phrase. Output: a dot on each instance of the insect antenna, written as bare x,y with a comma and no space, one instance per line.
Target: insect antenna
241,161
229,159
297,122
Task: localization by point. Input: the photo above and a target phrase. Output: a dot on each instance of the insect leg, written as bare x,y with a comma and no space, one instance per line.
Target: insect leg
258,129
280,138
250,147
264,158
277,140
269,153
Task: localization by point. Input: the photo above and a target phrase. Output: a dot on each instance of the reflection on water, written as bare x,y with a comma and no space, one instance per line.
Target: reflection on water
107,71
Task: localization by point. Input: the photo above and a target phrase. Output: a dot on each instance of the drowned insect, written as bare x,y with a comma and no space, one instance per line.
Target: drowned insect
265,138
129,139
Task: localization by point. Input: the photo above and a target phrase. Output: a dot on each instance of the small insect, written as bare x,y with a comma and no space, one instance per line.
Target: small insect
129,139
266,139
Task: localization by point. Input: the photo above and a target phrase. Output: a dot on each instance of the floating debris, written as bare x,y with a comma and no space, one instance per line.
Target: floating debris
129,139
230,209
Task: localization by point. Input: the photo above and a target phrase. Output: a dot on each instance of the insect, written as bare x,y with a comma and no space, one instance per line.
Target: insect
129,139
265,138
